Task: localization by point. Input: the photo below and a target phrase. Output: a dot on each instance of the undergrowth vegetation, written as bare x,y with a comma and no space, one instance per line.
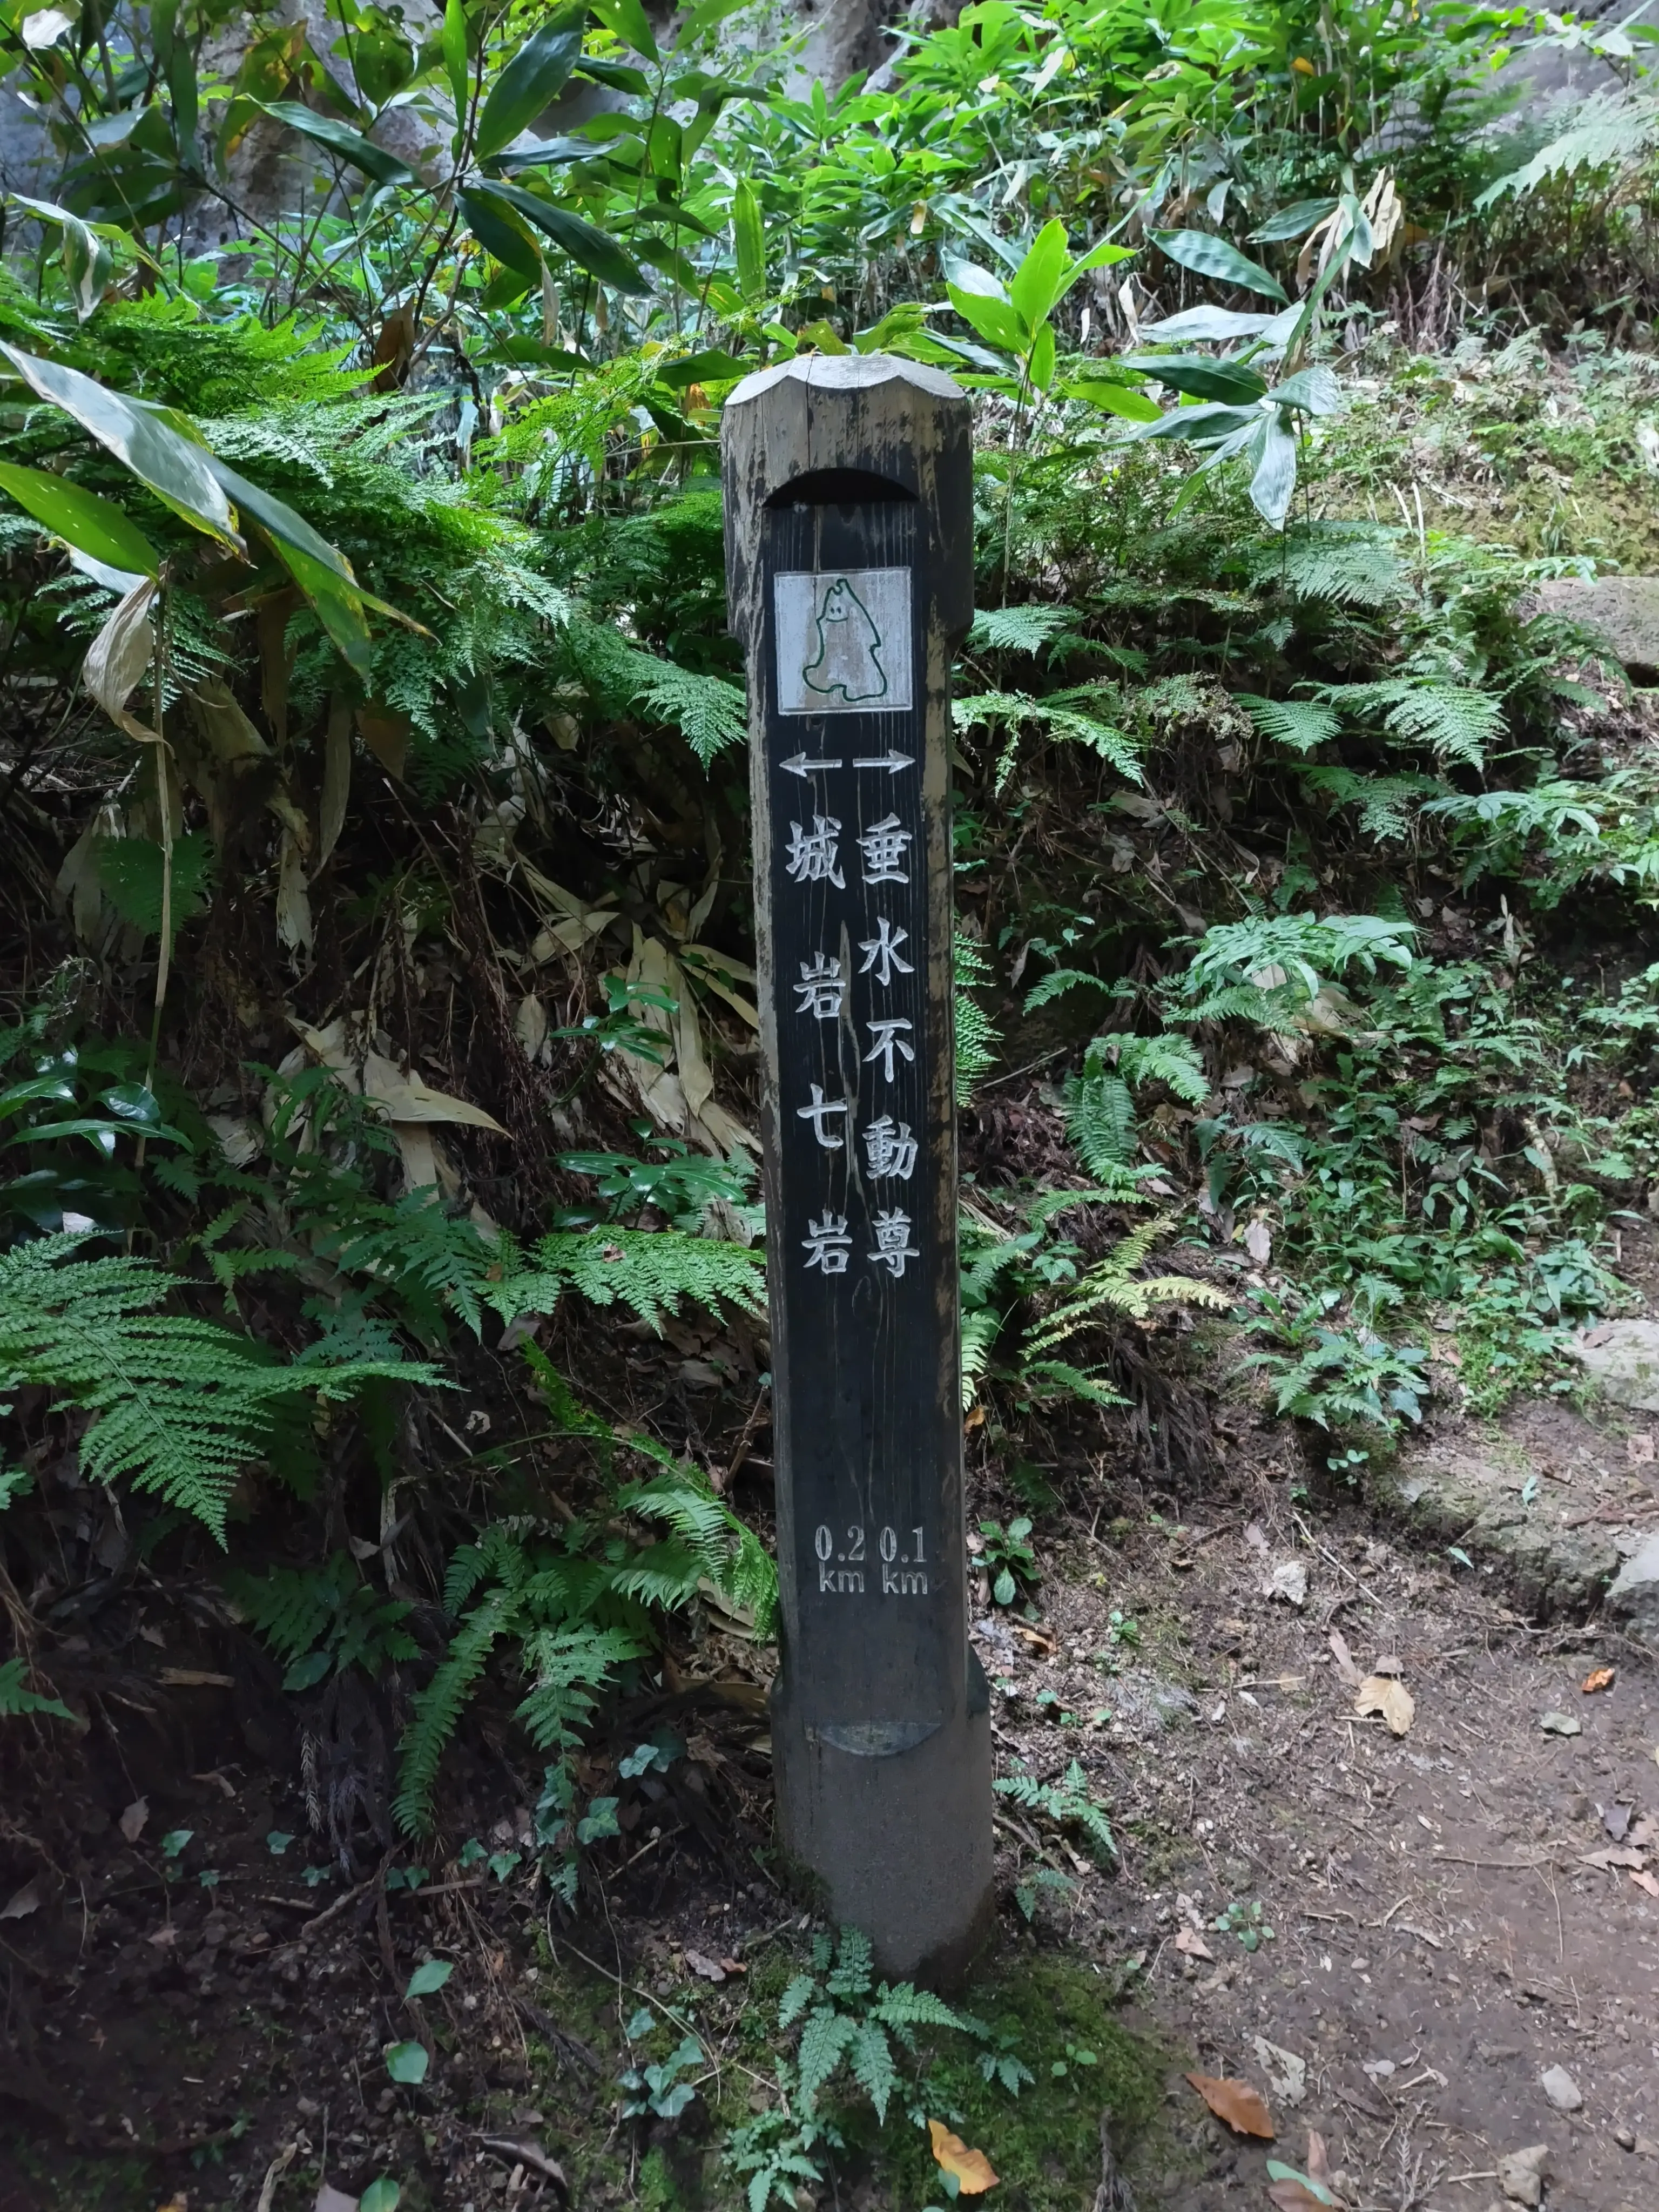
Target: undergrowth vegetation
382,1260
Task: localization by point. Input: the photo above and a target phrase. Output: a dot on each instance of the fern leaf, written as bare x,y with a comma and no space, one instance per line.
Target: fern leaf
652,1272
180,1405
824,2043
571,1665
1100,1121
1017,629
1297,723
1058,983
871,2058
710,713
976,1035
799,1994
437,1709
17,1699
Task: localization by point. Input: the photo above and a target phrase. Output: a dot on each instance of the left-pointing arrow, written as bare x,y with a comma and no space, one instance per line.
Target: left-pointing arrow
797,765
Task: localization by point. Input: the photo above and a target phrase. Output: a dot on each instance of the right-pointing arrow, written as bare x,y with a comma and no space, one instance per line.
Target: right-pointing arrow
891,761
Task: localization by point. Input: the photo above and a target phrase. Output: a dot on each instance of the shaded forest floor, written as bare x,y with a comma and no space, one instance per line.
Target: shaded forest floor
1452,1910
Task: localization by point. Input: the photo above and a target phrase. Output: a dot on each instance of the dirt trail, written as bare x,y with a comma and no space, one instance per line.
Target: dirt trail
1455,1912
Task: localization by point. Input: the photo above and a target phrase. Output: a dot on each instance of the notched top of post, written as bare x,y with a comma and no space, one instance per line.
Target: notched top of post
846,371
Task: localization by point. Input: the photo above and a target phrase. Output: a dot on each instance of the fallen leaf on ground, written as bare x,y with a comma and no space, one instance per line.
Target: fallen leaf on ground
1640,1450
1521,2176
1561,1724
1615,1818
1644,1881
971,2168
132,1820
1191,1944
21,1902
179,2202
1646,1830
1299,2192
1381,1694
709,1970
1618,1857
329,2199
1237,2103
195,1678
1344,1658
1599,1677
1287,2075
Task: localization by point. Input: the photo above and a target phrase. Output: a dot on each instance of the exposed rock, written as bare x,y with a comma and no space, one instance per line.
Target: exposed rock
1563,2092
1633,1597
1520,2175
1625,610
1474,1498
1621,1358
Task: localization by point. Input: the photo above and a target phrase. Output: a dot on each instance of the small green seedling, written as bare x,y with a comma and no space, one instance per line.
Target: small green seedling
1244,1918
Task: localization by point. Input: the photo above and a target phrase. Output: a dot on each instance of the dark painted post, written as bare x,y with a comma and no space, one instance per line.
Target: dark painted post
850,565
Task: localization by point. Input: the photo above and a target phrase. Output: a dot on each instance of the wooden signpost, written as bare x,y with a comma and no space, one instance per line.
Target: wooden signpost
849,567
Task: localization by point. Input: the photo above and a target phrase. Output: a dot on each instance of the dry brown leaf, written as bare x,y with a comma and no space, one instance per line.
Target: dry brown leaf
1599,1677
177,2203
707,1969
195,1678
1644,1881
1621,1856
1344,1658
971,2168
293,924
1191,1944
1381,1693
21,1902
387,735
132,1820
1237,2103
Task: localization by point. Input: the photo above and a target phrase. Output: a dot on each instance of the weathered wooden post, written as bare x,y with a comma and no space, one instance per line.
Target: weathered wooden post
849,567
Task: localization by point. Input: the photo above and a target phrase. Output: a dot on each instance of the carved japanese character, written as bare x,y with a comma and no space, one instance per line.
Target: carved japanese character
815,1114
881,952
888,1041
891,1150
883,848
893,1247
827,1245
814,853
822,988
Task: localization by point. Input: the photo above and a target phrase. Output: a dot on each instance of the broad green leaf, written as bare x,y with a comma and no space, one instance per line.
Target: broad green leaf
994,319
1292,221
533,78
1229,382
1273,484
618,76
702,368
1115,398
321,572
430,1976
456,66
1209,325
1040,277
1206,255
407,2062
498,230
380,2196
339,139
629,20
87,260
1040,367
968,276
1314,391
176,471
93,525
749,241
578,240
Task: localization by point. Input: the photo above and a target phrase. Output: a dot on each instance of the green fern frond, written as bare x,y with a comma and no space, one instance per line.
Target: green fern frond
437,1709
719,1545
1063,1380
797,1996
1298,723
824,2043
976,1034
571,1666
17,1700
710,713
1100,1121
871,2058
1017,629
180,1405
1454,720
652,1272
1351,564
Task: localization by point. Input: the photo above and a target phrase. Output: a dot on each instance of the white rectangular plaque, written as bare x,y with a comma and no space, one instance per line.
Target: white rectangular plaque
843,638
